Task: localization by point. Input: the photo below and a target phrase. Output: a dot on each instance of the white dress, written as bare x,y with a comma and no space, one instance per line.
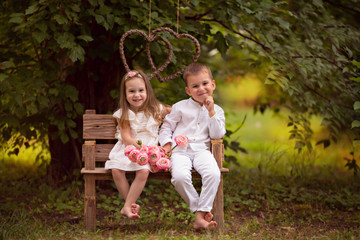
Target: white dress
142,128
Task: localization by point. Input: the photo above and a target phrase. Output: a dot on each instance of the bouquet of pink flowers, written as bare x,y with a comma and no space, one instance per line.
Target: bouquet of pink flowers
152,154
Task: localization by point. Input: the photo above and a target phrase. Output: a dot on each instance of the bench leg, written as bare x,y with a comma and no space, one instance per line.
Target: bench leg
90,202
219,206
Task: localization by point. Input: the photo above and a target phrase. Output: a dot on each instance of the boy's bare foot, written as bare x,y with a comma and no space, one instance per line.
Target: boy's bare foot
135,208
203,221
127,212
208,216
204,225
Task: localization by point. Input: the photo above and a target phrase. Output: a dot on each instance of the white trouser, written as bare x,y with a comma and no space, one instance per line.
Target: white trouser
205,164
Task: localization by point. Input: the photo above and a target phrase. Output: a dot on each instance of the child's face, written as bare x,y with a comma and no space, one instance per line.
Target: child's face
199,86
135,93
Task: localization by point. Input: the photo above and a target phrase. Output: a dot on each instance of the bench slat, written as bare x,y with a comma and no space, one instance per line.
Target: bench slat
99,126
101,152
105,174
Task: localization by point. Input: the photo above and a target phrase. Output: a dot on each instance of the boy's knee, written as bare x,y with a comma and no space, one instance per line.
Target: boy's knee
213,175
180,179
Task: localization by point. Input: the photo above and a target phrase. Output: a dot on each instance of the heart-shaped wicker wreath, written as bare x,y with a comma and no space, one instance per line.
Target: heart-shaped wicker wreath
151,38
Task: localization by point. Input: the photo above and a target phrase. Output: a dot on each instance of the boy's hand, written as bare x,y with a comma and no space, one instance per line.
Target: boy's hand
167,147
209,104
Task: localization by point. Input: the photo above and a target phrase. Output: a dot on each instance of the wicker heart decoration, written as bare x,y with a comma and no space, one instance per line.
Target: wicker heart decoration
151,38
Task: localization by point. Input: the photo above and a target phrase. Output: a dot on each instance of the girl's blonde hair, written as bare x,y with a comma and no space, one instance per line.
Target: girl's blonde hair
151,106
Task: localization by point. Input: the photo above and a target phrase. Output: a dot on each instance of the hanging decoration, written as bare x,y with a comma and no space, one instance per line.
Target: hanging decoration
152,37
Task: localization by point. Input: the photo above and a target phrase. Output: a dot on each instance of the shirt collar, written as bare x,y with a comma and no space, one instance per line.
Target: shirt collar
195,102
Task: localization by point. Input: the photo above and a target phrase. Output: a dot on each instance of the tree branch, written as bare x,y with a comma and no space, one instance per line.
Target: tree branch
338,4
255,40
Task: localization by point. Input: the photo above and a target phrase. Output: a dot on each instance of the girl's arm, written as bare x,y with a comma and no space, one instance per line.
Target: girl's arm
126,135
165,111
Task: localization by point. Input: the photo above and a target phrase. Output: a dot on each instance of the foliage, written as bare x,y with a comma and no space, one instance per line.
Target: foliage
52,50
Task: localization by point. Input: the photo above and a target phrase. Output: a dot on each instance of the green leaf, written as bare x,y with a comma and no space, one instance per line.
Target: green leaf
60,19
356,63
86,38
357,105
3,77
318,3
299,145
93,2
44,101
7,64
64,137
70,123
17,19
79,108
73,134
355,124
39,36
283,24
221,44
77,53
54,91
66,40
356,79
32,9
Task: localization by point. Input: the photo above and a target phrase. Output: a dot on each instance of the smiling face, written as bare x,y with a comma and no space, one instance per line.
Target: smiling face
135,93
199,86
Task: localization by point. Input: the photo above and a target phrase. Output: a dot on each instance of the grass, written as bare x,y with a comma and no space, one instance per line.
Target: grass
257,206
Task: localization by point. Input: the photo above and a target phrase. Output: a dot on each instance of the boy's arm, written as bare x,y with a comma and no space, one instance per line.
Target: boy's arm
168,127
217,124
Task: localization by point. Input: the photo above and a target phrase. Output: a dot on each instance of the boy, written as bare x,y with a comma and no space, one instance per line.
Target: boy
200,120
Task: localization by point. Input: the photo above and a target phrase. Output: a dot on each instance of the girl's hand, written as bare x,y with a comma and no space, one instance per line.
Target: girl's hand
209,104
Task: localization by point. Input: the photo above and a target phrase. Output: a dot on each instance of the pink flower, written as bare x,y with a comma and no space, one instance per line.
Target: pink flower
154,156
144,149
133,155
128,149
163,154
153,148
142,158
132,73
163,163
154,168
181,140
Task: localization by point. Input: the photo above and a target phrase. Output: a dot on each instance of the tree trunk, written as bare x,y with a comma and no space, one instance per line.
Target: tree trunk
94,80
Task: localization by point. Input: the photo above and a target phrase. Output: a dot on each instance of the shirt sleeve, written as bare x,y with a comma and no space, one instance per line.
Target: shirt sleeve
217,124
169,125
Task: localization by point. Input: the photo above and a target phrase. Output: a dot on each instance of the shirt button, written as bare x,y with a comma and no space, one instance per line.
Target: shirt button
198,123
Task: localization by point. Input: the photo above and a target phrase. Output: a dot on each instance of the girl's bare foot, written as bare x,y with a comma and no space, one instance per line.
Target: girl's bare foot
208,216
127,212
135,208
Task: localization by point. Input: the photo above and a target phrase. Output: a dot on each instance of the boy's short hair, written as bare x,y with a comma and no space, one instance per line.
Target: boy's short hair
195,68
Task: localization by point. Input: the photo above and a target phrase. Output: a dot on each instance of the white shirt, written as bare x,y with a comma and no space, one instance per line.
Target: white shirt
190,119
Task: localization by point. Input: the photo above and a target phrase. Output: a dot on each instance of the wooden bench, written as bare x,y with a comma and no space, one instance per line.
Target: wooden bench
98,127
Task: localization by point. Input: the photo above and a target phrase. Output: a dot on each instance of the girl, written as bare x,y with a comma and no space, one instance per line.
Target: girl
138,118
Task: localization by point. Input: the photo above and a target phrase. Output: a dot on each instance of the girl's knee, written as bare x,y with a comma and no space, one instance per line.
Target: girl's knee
117,172
142,174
